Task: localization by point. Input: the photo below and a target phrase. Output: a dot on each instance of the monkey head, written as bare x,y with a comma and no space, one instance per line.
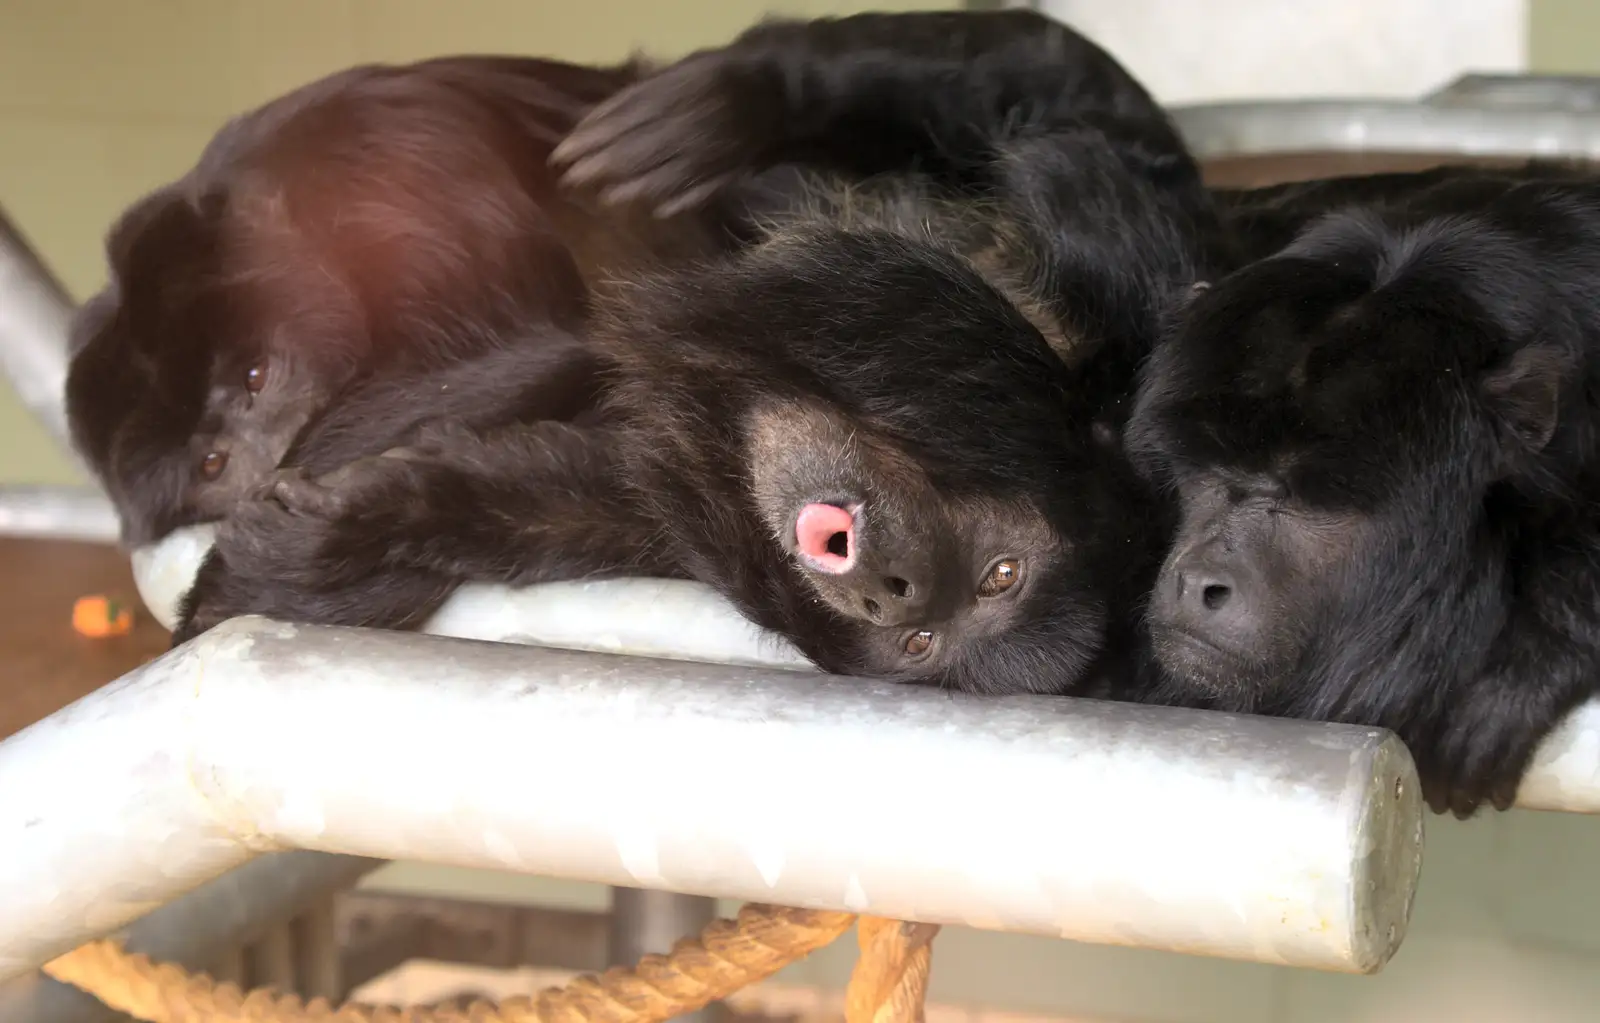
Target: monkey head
924,569
873,450
1341,424
182,392
377,222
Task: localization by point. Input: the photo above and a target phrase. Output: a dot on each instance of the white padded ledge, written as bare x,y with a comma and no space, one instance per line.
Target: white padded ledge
668,618
680,620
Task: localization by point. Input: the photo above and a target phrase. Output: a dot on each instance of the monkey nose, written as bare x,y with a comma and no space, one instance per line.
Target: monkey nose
1211,603
825,536
1207,593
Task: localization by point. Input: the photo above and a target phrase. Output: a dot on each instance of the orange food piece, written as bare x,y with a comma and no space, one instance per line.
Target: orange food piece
99,616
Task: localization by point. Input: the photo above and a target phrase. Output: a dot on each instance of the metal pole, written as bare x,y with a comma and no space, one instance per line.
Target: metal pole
645,922
270,959
1246,837
680,620
58,513
316,943
1215,130
202,929
35,317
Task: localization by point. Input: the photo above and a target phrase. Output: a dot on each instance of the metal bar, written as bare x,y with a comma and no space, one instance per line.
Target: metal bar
678,620
1245,837
203,929
499,935
58,513
1216,130
645,922
228,967
35,318
316,949
374,947
270,960
1506,92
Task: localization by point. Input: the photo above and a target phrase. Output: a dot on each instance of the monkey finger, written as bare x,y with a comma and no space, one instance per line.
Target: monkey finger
436,437
306,496
409,453
1435,792
607,123
1464,805
263,491
639,152
663,183
549,134
617,163
694,197
636,136
1504,796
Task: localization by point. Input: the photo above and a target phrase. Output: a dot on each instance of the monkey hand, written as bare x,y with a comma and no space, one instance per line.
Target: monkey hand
674,140
1484,748
310,550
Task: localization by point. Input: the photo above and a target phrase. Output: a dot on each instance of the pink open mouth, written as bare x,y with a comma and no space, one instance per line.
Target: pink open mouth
825,535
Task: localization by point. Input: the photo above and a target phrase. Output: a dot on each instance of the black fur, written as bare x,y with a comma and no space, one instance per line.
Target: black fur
948,339
1384,442
378,248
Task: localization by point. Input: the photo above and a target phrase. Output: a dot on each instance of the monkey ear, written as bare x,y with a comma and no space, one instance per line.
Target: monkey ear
1525,392
1197,289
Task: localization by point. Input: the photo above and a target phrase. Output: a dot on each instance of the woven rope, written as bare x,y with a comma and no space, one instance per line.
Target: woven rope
728,955
890,981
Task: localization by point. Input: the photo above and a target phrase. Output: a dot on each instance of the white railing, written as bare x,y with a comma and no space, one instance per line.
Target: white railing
1247,837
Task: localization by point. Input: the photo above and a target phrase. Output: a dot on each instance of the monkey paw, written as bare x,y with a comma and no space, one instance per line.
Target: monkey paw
438,439
675,139
312,533
342,491
1479,760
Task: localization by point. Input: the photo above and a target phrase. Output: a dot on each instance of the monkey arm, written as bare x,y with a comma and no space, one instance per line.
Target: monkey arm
383,540
391,600
551,376
1106,227
931,92
1543,664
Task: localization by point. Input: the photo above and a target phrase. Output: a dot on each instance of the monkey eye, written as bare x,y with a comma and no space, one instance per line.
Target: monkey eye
918,643
1001,578
255,378
212,465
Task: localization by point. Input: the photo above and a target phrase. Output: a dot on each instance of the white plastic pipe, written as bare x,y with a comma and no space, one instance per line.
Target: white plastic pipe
1244,837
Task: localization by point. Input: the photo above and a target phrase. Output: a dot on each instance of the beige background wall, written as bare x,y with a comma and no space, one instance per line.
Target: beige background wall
1224,50
101,100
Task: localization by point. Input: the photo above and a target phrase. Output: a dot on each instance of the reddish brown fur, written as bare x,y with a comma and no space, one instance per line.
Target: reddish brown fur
375,227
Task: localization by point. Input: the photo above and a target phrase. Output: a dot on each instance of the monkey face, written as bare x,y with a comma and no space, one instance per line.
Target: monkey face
1250,576
185,390
1338,424
252,414
923,571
